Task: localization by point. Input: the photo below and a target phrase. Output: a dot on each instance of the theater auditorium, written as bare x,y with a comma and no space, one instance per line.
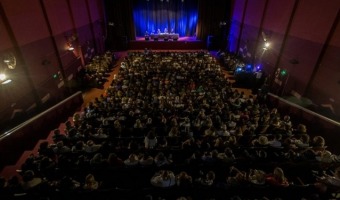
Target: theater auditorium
169,99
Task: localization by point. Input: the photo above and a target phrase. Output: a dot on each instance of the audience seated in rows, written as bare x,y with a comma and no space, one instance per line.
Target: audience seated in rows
151,119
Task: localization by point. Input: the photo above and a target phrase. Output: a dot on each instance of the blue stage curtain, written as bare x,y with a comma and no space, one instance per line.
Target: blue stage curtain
177,15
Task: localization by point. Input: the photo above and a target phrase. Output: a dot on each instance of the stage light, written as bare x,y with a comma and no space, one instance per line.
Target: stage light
258,68
283,72
238,69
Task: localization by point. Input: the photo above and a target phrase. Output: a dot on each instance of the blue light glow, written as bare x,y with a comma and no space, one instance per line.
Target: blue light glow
181,17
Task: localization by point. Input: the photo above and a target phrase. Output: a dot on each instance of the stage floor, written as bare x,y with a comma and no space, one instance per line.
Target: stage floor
181,44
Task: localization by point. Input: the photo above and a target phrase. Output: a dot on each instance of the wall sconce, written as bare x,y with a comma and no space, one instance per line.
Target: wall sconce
3,78
70,47
266,45
9,62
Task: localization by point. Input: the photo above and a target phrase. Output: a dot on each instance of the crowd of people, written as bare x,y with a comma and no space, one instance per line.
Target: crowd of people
173,120
96,72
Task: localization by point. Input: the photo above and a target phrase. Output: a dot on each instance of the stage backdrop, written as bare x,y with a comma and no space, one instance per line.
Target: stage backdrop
177,15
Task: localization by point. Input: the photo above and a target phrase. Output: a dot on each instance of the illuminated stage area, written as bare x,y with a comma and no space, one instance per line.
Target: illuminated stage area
181,43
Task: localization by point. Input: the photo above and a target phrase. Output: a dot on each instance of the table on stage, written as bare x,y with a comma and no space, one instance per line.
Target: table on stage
164,36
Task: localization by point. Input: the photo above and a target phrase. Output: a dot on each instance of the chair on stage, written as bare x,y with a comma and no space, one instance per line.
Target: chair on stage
147,36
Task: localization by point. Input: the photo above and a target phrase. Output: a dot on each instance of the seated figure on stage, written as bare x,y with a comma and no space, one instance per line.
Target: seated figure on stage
172,31
166,31
146,35
158,31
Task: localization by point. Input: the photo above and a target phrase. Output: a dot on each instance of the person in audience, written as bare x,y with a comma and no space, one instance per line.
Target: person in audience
257,177
90,183
14,185
162,143
174,132
276,141
163,179
138,128
236,177
57,136
328,183
68,126
262,142
45,149
98,161
60,148
146,160
222,131
30,180
150,140
277,178
91,147
208,179
162,160
227,156
114,161
100,134
286,121
318,144
67,183
301,129
183,180
132,160
302,141
3,185
77,119
79,147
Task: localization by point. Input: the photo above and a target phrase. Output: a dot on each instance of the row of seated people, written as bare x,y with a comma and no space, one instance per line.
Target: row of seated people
178,98
230,60
224,181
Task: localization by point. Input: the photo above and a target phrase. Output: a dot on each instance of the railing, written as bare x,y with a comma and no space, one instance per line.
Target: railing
316,124
25,136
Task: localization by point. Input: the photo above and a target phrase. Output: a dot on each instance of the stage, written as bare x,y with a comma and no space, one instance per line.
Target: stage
181,44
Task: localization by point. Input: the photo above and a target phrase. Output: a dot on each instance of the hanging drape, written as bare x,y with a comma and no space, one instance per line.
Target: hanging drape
178,16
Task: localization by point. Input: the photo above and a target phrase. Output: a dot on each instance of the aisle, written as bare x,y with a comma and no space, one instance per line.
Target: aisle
92,93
